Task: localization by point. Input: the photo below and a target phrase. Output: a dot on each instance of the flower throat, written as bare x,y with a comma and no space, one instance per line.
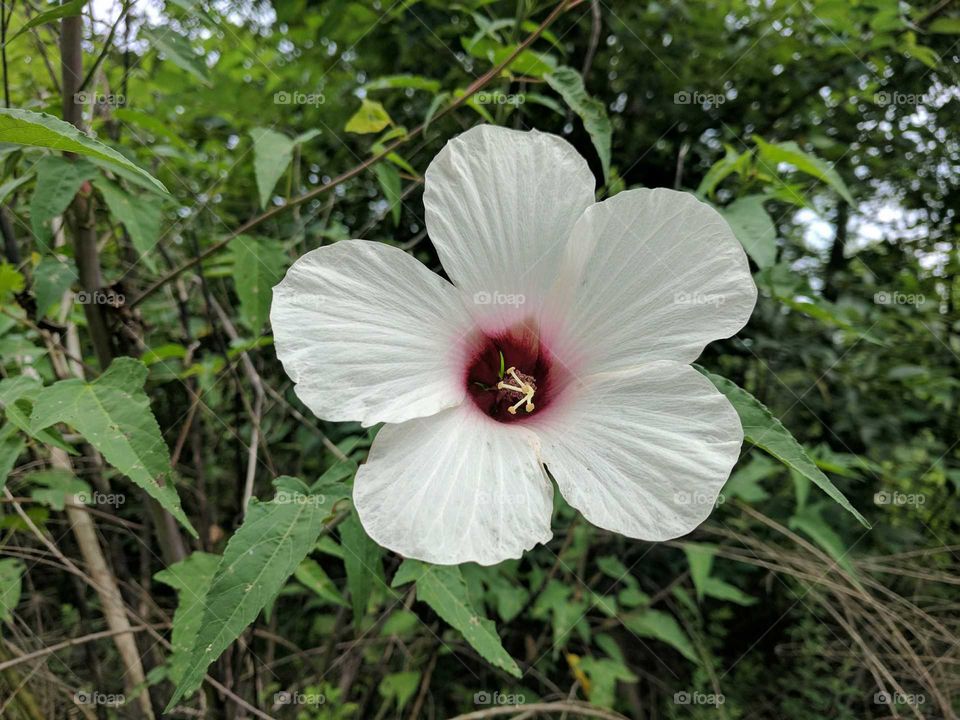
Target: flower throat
508,377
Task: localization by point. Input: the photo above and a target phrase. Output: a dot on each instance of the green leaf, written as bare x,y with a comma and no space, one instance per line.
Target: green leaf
790,153
567,614
56,486
58,181
11,281
527,62
826,312
362,560
68,9
728,164
604,673
191,578
113,414
51,279
745,481
11,446
568,83
140,215
258,266
178,50
417,82
435,104
700,558
443,588
24,127
259,558
762,429
399,687
311,575
754,229
664,627
11,577
272,153
17,395
928,56
389,178
945,25
370,118
151,124
721,590
810,521
10,185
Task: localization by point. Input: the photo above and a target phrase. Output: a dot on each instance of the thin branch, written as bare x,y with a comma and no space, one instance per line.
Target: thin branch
43,652
106,48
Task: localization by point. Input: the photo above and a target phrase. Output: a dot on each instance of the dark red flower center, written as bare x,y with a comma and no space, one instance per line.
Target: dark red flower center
511,377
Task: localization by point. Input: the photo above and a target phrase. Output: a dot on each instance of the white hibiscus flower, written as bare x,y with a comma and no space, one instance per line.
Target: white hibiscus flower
562,341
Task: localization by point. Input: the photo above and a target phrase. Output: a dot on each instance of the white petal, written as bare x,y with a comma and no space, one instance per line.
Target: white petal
643,453
455,487
648,275
500,205
367,333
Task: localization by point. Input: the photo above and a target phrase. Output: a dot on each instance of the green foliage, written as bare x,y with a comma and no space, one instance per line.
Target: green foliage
10,448
752,225
56,487
113,414
363,564
790,153
266,550
176,48
312,576
762,429
272,153
67,9
399,687
443,589
191,578
823,131
11,586
24,127
140,215
258,266
568,83
370,118
663,627
58,180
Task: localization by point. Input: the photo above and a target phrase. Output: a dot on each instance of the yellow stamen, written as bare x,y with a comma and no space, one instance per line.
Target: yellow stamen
526,389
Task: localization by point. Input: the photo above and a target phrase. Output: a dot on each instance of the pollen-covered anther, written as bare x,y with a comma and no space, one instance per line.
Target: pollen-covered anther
524,387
